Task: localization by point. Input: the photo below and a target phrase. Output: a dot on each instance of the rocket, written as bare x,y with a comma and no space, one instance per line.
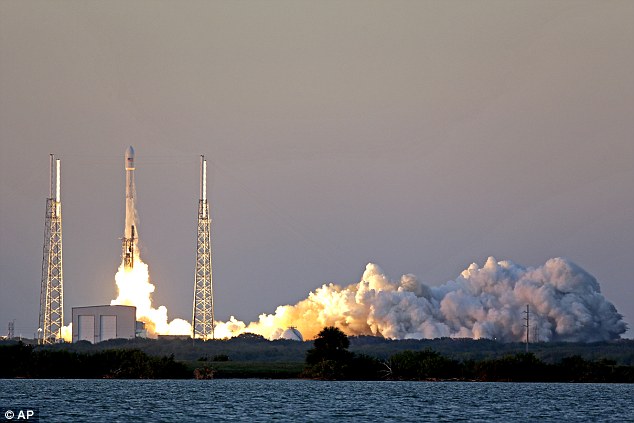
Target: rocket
129,236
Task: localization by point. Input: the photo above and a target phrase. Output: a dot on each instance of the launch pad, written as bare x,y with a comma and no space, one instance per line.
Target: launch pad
134,287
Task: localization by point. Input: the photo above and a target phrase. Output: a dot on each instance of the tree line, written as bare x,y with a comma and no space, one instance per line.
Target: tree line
24,361
249,348
331,359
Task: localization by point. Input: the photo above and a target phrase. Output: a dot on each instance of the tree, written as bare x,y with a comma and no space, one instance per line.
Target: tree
331,344
330,358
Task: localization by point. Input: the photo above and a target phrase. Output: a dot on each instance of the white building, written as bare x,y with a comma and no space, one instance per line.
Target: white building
100,323
293,334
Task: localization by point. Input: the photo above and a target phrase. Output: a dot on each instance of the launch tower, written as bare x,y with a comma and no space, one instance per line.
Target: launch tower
203,310
52,288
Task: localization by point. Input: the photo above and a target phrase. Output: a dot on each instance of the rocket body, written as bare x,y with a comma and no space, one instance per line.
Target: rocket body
129,235
130,209
129,158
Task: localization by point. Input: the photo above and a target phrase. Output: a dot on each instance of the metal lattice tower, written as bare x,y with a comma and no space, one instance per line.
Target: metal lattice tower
52,288
203,324
11,332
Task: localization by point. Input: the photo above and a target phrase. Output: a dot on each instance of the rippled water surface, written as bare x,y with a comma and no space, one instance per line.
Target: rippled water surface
303,400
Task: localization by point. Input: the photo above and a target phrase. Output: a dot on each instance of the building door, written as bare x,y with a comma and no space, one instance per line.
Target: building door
86,328
108,328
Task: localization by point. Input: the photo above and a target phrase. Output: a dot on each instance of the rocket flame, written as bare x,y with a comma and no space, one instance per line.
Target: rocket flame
135,289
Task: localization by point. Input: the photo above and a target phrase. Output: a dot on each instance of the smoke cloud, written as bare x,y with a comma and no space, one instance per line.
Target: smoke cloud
565,301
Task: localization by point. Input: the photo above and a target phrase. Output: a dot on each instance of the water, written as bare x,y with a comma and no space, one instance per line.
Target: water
305,400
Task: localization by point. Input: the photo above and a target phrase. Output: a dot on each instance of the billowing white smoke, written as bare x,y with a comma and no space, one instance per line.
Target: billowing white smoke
487,302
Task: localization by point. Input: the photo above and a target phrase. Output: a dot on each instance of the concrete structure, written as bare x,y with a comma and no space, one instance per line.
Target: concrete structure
100,323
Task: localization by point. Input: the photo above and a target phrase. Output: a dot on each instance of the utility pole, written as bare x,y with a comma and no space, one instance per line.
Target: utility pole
527,318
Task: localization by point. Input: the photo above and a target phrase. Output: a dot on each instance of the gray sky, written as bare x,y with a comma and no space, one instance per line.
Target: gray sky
422,136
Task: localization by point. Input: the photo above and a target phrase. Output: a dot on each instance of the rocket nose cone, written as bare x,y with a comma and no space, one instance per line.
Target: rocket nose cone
129,158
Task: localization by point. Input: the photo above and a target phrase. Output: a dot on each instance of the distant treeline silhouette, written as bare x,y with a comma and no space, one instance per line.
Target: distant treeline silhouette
331,359
250,347
24,361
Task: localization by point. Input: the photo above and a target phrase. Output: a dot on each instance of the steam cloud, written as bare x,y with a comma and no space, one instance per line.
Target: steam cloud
483,302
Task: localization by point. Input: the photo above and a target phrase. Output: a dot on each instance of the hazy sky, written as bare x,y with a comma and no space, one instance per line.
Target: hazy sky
419,135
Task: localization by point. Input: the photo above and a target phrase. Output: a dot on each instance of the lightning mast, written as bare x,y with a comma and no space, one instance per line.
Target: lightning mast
203,311
52,288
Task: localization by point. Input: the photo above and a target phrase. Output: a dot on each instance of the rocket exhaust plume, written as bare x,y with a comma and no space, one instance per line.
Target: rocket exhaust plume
483,302
133,278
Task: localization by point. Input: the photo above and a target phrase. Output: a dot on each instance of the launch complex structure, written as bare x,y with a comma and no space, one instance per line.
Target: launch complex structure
51,318
203,323
52,286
